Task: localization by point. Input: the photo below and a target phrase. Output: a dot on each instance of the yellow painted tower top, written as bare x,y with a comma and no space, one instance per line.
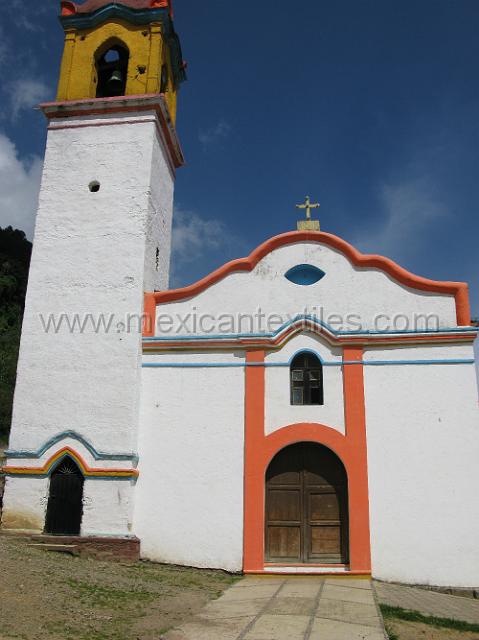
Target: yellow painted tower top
120,47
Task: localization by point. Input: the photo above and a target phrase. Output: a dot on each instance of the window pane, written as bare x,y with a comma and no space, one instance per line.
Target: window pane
297,374
298,396
314,374
315,396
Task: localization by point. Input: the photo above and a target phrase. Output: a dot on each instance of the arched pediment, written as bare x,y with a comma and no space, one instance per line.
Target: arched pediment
320,280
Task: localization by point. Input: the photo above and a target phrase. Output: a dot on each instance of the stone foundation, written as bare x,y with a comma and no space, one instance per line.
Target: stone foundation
99,548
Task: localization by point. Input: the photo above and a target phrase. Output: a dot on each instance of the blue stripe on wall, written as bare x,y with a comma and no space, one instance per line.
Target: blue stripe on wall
97,455
220,365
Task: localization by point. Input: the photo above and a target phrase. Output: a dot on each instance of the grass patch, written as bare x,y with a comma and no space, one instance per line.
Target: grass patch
414,616
64,598
101,596
391,634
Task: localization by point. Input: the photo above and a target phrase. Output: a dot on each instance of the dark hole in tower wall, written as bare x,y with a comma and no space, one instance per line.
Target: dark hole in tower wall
112,70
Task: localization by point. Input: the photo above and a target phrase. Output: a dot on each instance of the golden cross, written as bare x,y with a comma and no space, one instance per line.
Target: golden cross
308,206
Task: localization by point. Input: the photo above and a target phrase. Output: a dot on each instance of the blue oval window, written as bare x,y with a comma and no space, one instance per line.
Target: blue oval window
304,274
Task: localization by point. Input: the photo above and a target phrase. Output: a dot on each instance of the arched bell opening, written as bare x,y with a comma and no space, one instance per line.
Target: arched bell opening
112,70
65,499
306,519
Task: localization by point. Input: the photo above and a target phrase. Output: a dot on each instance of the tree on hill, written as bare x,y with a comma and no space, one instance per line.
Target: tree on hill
15,252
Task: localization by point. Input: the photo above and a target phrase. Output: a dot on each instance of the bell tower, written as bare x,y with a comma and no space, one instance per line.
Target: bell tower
120,48
102,238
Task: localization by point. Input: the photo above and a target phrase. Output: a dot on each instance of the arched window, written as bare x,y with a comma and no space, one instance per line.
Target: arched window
65,500
306,379
112,70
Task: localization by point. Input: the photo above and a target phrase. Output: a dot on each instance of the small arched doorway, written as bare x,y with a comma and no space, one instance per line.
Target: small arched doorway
306,520
65,500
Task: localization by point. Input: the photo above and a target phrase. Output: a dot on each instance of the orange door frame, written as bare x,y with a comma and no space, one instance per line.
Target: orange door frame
351,448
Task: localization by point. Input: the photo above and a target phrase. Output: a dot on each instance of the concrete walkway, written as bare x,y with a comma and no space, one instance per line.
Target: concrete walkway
428,602
289,608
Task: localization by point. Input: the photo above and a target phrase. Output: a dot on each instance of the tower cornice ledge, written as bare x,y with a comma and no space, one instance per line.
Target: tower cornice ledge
81,113
71,8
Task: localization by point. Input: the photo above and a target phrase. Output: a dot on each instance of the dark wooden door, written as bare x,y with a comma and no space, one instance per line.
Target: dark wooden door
65,501
306,507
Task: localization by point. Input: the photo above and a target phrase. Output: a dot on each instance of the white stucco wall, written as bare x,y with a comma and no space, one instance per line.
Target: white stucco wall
344,291
159,222
89,257
423,448
107,507
189,496
278,409
93,253
24,504
476,355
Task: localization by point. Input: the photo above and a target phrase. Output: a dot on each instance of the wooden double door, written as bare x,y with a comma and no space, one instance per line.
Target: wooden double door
306,507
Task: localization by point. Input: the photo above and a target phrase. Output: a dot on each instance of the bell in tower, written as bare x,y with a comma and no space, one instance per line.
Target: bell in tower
112,69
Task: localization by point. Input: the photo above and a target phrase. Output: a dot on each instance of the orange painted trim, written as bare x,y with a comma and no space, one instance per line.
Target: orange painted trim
350,449
457,289
149,315
85,469
254,472
357,467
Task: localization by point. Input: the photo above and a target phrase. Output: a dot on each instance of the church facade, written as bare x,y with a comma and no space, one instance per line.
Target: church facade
306,409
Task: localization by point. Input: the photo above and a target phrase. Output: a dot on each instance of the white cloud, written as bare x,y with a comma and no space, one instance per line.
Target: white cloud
193,235
214,134
19,187
26,93
409,207
195,240
26,17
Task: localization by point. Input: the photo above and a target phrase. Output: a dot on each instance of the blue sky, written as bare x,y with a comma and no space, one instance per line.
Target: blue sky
372,107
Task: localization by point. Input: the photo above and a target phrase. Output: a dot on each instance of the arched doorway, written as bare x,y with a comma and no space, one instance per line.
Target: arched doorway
65,500
306,507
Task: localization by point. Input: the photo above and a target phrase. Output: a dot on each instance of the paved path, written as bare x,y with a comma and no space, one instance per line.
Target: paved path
428,602
288,608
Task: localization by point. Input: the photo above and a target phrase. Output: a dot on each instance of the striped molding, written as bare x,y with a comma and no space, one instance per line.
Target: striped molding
374,363
88,472
300,324
97,455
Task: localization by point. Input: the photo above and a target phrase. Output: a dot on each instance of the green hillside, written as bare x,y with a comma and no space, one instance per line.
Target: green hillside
15,251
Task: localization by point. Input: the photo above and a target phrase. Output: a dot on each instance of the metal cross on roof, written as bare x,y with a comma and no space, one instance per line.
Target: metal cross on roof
308,206
308,224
